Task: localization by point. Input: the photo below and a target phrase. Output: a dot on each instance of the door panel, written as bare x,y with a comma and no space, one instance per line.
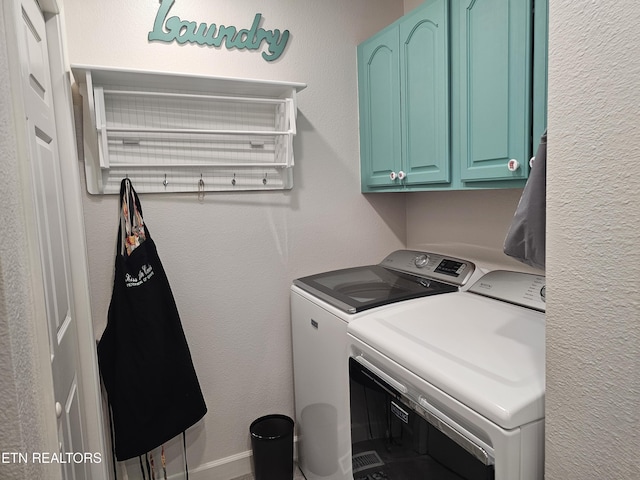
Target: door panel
73,430
51,221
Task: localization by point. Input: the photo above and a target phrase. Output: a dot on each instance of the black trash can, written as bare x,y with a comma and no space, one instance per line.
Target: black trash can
272,445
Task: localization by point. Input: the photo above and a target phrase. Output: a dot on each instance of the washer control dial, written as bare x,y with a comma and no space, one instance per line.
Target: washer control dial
421,261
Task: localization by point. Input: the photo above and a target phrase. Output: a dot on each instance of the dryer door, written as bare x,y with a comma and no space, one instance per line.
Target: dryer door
393,437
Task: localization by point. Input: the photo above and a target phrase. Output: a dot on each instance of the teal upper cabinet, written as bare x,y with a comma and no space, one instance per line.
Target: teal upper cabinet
492,83
403,80
451,94
379,101
424,92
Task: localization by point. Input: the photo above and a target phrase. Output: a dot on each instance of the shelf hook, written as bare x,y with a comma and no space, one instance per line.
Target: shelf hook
233,180
200,189
264,180
165,182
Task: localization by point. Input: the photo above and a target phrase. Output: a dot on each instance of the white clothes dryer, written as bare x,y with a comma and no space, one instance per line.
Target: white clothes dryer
322,306
453,387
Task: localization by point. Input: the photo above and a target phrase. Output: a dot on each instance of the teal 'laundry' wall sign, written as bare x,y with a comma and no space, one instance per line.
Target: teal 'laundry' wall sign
183,31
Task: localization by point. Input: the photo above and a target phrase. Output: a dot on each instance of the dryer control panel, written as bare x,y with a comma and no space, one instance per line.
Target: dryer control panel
446,269
524,289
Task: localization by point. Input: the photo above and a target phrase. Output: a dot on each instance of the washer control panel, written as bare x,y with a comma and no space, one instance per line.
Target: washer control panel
433,265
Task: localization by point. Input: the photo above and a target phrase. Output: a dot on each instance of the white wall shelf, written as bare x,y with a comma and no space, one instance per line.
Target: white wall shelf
185,133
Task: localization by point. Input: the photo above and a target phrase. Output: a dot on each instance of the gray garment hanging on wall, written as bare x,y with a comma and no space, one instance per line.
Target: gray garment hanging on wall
525,239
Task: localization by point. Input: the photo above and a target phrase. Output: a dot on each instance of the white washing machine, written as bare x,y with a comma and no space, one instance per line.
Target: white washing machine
322,306
452,388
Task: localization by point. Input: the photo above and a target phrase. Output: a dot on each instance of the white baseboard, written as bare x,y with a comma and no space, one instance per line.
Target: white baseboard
227,468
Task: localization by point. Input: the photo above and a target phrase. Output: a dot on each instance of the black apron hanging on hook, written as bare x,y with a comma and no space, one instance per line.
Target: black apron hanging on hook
144,359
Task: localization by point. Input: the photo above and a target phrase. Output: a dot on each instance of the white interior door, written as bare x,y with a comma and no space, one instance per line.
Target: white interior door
52,231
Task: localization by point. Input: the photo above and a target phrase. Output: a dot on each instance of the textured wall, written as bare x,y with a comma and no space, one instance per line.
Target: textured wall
22,426
14,288
593,301
231,258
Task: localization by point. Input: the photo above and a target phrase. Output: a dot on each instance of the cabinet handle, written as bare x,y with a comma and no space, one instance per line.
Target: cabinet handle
401,175
393,176
513,165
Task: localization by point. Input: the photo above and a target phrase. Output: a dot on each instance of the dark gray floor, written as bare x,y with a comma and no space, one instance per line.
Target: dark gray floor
298,476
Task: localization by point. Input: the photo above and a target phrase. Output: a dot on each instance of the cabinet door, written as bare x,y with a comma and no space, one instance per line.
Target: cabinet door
424,65
495,87
540,70
379,100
